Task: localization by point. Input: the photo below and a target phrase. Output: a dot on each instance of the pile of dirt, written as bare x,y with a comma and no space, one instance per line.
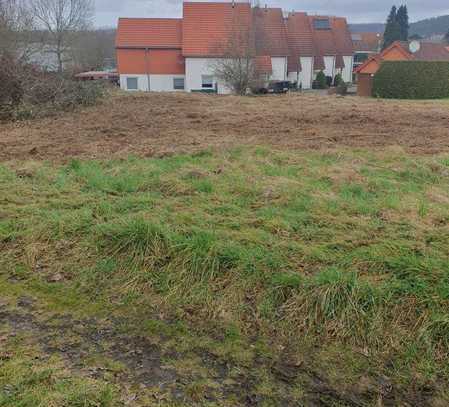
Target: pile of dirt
159,124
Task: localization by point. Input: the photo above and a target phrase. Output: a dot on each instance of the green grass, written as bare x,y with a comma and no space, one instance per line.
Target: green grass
26,380
342,249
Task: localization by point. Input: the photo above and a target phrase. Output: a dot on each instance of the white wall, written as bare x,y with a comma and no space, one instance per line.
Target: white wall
329,63
279,65
158,83
347,71
142,82
292,76
306,74
196,68
305,77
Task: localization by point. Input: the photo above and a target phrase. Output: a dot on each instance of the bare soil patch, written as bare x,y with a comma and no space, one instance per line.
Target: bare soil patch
161,124
149,365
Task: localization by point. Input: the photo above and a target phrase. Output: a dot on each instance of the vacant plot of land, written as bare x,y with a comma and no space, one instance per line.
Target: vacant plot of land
301,272
161,124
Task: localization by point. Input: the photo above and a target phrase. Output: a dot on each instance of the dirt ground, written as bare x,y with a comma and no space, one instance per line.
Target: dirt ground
145,367
163,124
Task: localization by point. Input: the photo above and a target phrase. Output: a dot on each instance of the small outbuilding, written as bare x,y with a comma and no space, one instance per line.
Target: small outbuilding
398,51
111,76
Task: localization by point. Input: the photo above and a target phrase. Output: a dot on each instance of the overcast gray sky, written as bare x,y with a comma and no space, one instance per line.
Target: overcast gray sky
357,11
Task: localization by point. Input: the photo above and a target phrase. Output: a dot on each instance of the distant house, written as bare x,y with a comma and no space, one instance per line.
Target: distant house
179,54
149,54
318,43
398,51
366,44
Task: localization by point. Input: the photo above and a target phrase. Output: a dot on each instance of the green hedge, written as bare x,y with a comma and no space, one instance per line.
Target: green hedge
412,80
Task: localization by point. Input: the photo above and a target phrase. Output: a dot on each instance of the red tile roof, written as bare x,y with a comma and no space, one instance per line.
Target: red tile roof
428,52
270,32
343,40
300,39
334,41
263,64
210,28
342,36
431,52
318,63
149,33
306,40
367,41
299,34
323,39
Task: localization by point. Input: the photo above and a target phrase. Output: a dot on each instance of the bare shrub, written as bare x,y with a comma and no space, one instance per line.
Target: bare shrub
29,93
237,68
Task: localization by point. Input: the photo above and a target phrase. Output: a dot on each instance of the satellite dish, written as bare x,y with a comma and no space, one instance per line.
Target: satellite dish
414,46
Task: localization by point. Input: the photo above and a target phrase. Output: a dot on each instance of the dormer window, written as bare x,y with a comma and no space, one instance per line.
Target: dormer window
321,24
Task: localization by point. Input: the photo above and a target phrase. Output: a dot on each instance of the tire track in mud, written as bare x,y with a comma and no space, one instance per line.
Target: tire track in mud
149,365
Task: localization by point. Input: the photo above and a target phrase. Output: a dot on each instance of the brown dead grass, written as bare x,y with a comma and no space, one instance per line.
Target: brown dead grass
160,124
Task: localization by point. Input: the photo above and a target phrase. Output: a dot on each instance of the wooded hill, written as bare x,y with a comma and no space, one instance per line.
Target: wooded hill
425,28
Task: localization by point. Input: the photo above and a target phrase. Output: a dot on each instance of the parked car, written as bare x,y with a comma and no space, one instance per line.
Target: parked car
275,87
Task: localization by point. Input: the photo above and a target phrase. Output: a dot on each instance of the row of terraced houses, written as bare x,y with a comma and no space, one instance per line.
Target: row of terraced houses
160,54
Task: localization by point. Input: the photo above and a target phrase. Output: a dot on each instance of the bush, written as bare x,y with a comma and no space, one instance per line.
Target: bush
62,94
338,79
29,93
342,89
412,80
11,91
321,81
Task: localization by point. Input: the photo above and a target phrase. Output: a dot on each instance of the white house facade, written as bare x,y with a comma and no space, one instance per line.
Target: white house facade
172,55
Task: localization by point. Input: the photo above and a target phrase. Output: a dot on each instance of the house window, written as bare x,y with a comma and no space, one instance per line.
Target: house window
207,81
178,83
359,58
131,84
321,24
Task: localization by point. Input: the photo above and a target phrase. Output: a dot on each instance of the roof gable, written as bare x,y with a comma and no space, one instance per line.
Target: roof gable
342,36
264,65
299,34
394,52
323,38
317,36
210,28
432,52
270,32
149,33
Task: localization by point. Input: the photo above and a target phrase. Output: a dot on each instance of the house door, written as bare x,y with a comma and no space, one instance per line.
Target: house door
365,84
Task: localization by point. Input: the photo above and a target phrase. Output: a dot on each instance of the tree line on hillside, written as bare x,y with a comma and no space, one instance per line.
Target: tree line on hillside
397,27
436,26
430,26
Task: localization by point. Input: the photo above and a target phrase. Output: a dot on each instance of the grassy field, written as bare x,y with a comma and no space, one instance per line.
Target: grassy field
249,276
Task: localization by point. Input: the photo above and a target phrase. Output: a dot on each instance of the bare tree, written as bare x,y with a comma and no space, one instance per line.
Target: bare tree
241,66
16,29
236,67
62,18
93,49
